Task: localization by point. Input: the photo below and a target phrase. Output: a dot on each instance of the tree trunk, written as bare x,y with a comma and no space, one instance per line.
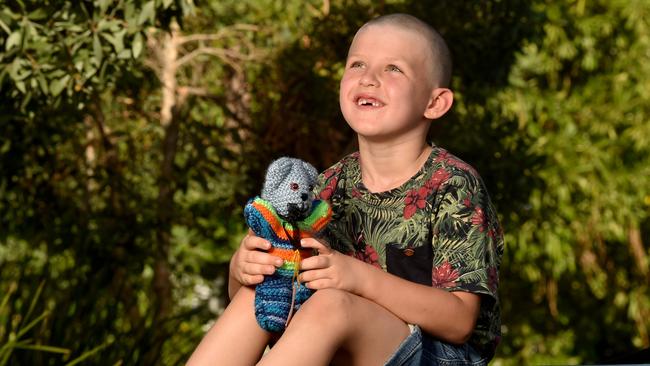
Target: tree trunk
162,286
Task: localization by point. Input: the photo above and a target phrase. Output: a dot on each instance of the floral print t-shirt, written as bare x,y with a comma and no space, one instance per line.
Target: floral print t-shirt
437,229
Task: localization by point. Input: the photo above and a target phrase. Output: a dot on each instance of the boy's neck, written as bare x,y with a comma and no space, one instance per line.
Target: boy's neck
388,165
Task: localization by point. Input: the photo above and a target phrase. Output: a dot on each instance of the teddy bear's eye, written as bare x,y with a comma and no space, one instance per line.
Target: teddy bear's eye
294,186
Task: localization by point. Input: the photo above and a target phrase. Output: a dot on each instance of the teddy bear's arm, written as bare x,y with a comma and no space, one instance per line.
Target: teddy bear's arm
255,220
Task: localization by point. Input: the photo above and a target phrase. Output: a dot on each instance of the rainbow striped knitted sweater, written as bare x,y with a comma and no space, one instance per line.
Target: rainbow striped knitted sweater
281,293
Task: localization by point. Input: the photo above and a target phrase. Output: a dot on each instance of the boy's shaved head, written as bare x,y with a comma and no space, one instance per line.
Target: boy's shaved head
440,55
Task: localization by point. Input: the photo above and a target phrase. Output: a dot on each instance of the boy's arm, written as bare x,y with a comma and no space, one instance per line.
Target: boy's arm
445,315
450,316
233,284
467,241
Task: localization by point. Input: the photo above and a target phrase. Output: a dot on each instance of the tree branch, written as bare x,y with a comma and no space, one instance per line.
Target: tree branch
225,54
221,34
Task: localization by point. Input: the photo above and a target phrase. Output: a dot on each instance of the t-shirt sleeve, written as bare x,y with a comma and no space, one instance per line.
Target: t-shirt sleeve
466,238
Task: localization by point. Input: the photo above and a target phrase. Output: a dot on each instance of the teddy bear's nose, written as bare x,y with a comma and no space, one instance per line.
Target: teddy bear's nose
304,196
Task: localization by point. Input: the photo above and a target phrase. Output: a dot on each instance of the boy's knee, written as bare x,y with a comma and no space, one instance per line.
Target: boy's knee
332,298
330,306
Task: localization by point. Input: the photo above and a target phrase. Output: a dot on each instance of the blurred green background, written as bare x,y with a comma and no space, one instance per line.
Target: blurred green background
133,132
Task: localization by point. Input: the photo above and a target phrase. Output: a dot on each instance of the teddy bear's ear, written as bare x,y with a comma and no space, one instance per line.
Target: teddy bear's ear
275,175
310,171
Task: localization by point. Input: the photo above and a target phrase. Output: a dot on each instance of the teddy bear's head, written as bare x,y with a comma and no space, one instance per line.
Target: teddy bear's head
288,187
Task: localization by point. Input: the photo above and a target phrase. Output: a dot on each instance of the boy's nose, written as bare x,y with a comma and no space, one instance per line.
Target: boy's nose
369,79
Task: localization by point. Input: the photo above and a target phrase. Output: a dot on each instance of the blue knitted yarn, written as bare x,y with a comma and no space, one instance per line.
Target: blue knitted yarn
273,301
273,296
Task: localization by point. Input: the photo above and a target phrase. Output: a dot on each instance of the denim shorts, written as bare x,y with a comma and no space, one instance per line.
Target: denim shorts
421,350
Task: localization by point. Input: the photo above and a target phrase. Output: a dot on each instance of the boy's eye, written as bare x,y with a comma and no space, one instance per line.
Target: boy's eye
294,186
356,64
393,68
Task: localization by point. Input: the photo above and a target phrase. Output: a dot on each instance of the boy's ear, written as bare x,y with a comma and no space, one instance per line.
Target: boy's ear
440,102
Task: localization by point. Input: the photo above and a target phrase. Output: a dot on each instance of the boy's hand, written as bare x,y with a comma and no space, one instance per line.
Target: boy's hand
250,262
330,269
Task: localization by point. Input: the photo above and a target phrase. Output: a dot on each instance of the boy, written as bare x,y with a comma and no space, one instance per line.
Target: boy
419,283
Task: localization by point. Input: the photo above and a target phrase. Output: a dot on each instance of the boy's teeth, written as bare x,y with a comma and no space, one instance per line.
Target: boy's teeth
364,101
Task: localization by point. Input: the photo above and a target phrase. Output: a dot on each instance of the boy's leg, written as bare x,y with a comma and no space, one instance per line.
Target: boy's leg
235,339
339,327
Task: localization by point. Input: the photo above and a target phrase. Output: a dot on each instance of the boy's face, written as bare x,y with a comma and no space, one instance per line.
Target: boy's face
388,83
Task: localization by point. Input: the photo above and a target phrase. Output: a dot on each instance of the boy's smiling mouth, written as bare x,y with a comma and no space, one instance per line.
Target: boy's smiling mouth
365,101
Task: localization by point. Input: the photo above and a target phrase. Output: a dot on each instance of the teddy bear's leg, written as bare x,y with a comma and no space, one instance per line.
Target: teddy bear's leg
273,301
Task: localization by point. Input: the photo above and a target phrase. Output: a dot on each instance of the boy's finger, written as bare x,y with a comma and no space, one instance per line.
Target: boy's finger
252,269
315,262
252,242
265,258
318,284
312,275
253,279
315,244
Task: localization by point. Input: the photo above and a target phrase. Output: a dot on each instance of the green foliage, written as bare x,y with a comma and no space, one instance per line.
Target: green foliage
580,100
55,49
551,106
13,338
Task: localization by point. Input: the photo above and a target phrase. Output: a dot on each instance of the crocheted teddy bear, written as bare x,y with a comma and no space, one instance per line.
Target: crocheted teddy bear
285,212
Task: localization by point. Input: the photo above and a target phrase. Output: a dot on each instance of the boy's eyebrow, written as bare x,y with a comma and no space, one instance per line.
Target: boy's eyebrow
387,60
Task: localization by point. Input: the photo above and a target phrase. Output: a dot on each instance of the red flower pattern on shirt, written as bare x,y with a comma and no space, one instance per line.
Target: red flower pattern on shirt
413,202
368,255
326,193
449,159
416,199
444,276
437,179
478,219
